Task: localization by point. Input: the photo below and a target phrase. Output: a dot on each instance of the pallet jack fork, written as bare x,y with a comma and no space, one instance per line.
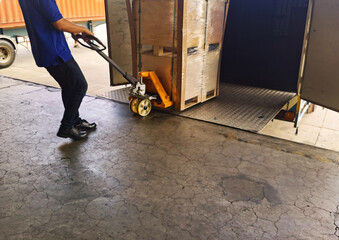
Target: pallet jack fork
144,92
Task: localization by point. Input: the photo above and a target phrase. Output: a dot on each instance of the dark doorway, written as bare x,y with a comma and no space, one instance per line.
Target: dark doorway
263,43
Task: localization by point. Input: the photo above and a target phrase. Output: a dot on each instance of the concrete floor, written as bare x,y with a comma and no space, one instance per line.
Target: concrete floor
159,177
319,129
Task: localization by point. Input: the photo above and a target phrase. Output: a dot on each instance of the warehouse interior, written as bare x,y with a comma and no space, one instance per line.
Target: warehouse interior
167,175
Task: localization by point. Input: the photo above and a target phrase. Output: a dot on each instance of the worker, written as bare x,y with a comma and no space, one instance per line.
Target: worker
46,26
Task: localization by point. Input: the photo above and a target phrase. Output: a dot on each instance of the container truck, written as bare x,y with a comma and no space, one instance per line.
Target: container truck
89,13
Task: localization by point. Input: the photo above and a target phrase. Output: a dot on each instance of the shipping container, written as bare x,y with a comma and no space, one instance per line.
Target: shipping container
285,45
73,10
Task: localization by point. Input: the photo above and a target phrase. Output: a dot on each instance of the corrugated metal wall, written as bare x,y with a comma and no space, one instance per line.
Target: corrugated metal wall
10,14
74,10
82,10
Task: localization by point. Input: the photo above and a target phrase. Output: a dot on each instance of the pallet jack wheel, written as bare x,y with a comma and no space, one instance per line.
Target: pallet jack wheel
133,105
144,107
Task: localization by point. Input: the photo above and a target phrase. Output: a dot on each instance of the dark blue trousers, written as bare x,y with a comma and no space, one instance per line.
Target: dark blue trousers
73,89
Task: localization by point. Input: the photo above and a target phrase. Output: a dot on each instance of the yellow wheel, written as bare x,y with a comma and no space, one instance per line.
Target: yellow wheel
144,107
133,105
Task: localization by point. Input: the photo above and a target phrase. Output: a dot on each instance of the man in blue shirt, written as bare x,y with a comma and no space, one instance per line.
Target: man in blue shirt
46,26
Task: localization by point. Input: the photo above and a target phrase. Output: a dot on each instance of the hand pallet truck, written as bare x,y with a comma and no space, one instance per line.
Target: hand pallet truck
141,101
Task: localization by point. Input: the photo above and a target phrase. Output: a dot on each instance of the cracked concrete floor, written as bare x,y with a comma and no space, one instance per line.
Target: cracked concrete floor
159,177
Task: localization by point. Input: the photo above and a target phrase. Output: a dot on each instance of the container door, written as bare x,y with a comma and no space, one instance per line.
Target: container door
319,82
120,34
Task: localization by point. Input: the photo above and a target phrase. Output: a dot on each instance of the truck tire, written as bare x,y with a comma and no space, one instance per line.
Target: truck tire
7,54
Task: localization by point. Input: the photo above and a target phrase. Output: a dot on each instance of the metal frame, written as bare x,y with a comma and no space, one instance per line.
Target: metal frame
302,108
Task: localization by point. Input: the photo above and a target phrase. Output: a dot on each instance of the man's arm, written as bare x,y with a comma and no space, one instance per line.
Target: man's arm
66,26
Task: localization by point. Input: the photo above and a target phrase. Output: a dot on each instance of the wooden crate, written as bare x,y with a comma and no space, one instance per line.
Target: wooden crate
180,40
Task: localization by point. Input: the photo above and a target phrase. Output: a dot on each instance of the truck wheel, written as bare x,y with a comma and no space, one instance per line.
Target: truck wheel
7,54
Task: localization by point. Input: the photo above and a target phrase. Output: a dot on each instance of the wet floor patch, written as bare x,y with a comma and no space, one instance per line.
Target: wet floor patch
241,188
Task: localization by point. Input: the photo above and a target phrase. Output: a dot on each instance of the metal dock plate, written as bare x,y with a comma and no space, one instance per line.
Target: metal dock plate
243,107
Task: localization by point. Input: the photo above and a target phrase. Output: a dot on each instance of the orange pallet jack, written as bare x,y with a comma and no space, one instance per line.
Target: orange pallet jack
145,92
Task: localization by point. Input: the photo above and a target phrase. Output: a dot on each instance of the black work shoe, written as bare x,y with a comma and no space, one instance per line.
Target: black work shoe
73,133
84,125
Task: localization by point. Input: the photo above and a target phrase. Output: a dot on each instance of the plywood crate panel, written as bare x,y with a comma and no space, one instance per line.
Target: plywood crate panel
215,28
193,43
211,74
163,67
157,20
193,78
215,21
194,23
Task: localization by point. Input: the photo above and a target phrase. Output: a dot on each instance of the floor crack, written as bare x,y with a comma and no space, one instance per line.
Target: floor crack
336,222
14,85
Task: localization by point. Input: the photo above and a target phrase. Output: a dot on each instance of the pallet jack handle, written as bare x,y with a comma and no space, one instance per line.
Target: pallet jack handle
95,44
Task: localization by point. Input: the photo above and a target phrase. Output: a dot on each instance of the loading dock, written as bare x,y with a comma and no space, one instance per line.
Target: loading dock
269,47
161,177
